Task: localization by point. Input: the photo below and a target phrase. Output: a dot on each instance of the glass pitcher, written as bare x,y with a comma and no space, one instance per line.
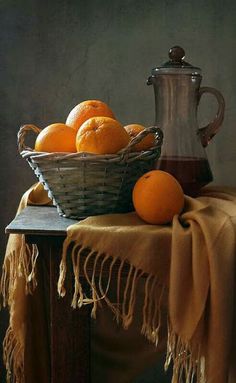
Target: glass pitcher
177,94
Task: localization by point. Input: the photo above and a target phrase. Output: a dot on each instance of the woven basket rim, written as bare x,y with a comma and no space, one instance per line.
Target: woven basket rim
86,156
123,154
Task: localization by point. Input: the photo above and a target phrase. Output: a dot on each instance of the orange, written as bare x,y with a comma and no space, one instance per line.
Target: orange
38,193
101,135
57,137
157,197
146,143
87,109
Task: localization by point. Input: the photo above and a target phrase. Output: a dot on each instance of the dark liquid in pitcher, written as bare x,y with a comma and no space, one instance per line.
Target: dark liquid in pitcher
192,173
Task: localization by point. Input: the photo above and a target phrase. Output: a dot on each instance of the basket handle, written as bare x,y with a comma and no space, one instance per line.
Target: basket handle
24,130
151,129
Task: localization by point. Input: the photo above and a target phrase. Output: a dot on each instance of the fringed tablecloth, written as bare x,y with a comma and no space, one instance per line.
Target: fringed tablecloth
191,261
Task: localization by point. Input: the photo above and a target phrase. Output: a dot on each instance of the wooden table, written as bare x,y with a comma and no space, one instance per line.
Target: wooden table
68,351
65,332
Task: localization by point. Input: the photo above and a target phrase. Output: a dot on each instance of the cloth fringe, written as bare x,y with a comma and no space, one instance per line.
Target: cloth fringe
188,365
13,354
92,267
16,265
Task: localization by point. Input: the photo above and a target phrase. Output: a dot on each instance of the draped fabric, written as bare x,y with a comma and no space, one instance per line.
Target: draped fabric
188,266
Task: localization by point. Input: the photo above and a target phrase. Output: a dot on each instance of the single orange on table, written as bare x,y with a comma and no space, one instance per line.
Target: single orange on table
101,135
157,197
146,143
56,137
87,109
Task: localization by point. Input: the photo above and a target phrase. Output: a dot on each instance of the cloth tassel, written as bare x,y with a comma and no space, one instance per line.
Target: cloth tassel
16,267
188,365
123,309
152,309
13,358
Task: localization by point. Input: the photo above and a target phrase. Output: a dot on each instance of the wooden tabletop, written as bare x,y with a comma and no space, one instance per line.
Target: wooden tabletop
39,220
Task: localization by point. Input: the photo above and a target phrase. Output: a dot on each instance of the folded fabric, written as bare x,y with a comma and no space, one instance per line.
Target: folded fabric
194,259
17,281
190,263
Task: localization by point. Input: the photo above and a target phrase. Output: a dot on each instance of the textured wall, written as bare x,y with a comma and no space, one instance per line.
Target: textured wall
55,54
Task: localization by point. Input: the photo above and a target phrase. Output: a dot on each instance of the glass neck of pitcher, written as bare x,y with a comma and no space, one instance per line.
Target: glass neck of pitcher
176,98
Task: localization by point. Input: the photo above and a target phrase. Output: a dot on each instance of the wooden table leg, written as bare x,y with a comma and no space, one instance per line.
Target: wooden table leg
70,331
37,341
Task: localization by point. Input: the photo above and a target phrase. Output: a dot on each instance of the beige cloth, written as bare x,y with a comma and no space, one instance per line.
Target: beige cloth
17,283
26,343
192,260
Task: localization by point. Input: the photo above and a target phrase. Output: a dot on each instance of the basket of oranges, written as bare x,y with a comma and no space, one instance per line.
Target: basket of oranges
89,165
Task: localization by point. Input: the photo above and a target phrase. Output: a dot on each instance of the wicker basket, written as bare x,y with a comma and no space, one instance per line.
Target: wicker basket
84,184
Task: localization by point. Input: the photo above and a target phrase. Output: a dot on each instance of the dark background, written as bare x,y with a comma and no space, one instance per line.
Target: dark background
56,54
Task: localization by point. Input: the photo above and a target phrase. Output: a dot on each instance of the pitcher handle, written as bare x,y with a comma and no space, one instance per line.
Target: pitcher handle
207,132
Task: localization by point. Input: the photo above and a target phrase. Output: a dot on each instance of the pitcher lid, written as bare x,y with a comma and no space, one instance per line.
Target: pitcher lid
176,64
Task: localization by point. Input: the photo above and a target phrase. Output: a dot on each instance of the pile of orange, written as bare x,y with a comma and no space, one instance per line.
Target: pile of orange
90,127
